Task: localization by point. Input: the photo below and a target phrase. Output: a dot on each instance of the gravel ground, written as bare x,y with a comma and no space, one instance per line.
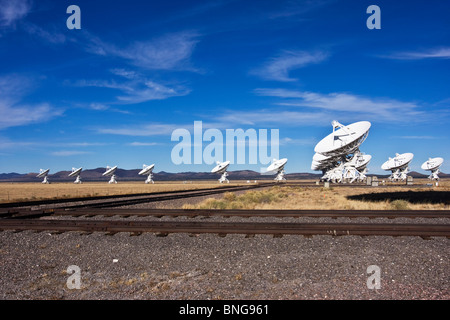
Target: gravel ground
181,266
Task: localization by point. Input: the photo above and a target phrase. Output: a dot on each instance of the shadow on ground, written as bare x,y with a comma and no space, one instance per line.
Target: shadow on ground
432,197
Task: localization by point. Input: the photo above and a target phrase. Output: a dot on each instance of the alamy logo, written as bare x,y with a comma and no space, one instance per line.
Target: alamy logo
374,280
191,149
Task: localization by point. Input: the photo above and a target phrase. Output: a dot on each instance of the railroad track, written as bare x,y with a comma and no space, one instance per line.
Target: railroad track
92,212
163,228
30,221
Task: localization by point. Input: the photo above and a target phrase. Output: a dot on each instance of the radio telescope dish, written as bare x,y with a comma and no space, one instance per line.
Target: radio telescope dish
399,166
110,172
222,167
76,173
43,174
147,171
278,167
433,165
343,139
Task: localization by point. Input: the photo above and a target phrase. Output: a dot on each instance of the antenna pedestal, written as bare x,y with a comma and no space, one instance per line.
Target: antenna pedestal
113,179
223,178
149,179
434,175
280,176
350,174
45,180
77,180
399,175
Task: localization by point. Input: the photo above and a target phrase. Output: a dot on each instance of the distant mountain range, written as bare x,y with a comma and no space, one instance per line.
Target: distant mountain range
132,175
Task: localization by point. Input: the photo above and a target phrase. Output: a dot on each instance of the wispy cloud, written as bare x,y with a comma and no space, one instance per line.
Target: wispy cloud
12,11
279,67
143,144
168,52
418,137
68,153
436,53
347,104
151,129
14,112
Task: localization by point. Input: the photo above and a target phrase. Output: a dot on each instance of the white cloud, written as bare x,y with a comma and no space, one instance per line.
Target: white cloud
440,53
349,105
169,52
278,68
13,88
135,89
13,10
152,129
143,144
68,153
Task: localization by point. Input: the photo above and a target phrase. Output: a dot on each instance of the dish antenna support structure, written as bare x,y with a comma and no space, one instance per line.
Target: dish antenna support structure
433,165
43,174
278,167
76,173
399,166
222,167
147,171
110,172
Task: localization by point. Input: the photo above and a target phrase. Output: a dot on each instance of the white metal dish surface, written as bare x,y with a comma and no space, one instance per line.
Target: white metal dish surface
43,173
75,172
432,163
277,165
110,171
343,140
146,170
400,161
221,167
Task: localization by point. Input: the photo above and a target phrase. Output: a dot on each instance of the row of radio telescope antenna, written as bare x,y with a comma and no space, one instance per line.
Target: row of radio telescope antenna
277,166
337,156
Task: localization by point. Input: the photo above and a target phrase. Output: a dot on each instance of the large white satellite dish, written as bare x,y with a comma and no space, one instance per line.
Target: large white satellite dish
337,155
343,139
399,166
110,172
76,173
147,171
433,165
278,167
222,167
43,174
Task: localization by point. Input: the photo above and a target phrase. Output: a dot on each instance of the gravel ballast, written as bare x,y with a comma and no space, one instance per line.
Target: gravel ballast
181,266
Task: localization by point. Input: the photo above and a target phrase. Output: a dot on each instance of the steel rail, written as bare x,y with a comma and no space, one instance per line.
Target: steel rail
256,213
220,228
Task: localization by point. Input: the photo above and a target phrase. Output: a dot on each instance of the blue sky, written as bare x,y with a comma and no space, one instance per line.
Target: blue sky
113,92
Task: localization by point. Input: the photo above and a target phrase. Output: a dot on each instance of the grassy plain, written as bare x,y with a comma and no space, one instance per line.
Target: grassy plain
387,197
418,196
16,192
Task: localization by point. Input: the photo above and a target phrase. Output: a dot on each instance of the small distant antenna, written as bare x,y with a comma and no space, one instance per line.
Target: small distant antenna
110,172
278,167
76,173
399,166
43,174
148,171
222,167
433,165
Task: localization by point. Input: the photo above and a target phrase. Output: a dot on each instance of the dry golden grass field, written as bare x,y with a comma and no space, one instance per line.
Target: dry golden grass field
418,196
387,197
16,192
